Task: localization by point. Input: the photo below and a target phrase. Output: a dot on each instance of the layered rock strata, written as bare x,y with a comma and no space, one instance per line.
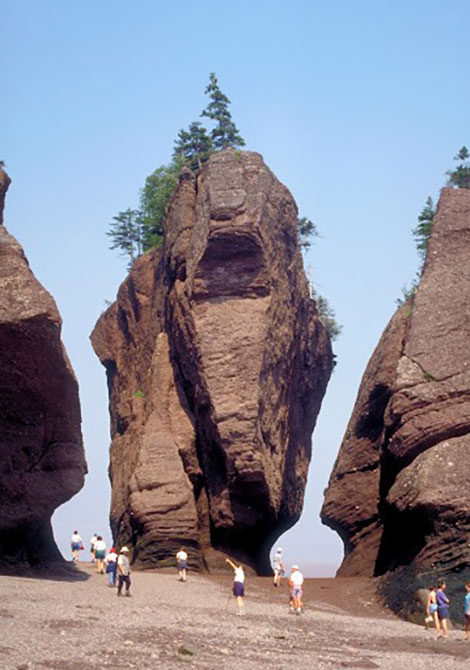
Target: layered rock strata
398,491
42,462
217,364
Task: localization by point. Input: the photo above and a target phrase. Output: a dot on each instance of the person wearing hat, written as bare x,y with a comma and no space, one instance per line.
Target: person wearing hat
296,580
124,571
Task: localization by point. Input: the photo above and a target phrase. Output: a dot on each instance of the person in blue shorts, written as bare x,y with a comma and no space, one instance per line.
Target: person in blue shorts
238,588
431,610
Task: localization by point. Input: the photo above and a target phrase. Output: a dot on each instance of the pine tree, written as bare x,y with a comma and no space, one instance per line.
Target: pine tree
193,147
422,232
225,134
126,232
460,177
307,229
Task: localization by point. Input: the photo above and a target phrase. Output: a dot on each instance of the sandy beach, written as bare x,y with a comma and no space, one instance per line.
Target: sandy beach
79,624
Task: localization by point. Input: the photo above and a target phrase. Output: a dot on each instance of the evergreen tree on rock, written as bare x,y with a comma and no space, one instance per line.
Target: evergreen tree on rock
193,147
460,177
225,134
422,232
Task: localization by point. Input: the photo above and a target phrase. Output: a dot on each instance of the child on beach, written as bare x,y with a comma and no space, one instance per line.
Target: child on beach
238,589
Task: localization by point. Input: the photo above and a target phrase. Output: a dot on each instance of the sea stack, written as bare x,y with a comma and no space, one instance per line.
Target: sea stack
42,461
398,493
217,364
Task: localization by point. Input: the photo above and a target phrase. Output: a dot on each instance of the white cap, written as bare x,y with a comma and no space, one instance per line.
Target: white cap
124,549
295,567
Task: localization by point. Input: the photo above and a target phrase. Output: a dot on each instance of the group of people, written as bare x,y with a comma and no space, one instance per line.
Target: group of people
114,564
437,610
295,582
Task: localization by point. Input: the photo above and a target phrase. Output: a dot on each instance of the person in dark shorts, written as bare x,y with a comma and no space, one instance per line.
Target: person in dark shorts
443,609
467,612
238,588
124,571
182,564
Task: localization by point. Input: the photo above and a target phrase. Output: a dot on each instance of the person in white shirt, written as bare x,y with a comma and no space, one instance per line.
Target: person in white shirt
124,571
296,580
75,545
278,568
100,553
238,589
182,564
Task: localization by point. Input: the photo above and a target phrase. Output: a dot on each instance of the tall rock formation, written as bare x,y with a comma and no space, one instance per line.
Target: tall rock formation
42,462
217,364
398,493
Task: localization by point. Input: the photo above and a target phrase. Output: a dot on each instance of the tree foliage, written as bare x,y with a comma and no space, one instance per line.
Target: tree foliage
422,232
154,199
126,233
327,316
225,133
307,230
460,176
193,146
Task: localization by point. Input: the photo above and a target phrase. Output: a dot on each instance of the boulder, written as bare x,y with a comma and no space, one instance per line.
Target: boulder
42,461
217,364
398,491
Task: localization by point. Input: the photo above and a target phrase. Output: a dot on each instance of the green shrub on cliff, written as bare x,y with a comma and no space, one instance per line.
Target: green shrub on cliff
460,176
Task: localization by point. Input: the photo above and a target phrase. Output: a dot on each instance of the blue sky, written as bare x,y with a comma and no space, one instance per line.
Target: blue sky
358,107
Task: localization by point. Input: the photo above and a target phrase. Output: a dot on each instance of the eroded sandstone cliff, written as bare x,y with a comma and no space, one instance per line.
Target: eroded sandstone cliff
217,364
398,491
42,462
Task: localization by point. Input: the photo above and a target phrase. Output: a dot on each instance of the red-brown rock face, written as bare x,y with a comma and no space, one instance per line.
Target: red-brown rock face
42,462
217,365
398,491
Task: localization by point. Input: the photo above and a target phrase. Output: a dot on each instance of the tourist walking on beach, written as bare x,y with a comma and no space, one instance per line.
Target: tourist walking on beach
296,580
124,571
182,564
278,568
238,588
111,566
93,539
100,554
443,609
75,545
467,612
431,609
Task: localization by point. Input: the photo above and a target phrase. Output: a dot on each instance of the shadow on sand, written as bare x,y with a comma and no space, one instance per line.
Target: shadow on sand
65,571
